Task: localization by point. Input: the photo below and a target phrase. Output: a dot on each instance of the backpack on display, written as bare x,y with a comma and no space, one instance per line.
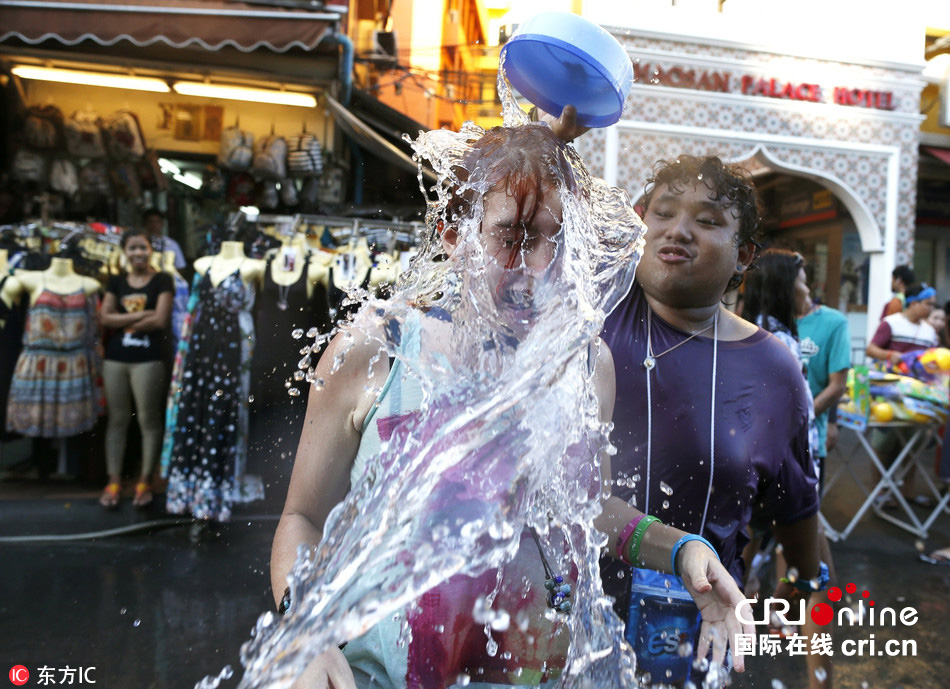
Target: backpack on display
43,127
84,135
310,194
237,149
270,158
94,179
288,192
213,184
29,166
304,155
267,195
241,189
150,173
124,136
125,180
63,176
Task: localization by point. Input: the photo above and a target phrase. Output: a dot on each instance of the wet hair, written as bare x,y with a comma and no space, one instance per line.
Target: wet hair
135,232
729,185
904,274
770,289
525,161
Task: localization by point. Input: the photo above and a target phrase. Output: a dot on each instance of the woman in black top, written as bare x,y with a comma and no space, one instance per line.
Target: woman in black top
137,307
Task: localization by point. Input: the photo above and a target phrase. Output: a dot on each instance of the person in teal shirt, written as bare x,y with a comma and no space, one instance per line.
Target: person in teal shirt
826,353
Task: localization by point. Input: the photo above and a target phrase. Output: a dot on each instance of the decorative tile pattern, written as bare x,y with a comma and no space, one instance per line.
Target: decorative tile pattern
861,172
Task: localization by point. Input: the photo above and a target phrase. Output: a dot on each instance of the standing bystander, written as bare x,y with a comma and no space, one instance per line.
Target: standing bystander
901,278
154,222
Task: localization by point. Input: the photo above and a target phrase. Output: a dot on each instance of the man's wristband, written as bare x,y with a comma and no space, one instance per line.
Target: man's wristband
810,585
683,541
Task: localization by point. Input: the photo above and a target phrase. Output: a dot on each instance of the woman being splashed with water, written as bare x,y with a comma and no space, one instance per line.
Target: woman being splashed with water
447,508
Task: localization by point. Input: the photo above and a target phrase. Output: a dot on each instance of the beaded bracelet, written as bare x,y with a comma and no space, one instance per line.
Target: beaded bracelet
637,539
683,541
624,538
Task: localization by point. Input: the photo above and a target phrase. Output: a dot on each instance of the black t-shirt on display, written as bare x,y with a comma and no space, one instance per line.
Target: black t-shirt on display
129,345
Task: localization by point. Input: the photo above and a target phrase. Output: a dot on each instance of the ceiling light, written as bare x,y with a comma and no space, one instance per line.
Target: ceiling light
192,88
189,179
71,76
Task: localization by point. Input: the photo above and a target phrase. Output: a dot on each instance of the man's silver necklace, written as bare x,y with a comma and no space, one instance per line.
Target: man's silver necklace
651,358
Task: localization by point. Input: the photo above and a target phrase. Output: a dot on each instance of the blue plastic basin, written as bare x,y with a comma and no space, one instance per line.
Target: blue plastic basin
557,58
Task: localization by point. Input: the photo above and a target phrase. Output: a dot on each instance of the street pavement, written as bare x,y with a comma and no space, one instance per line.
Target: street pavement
126,599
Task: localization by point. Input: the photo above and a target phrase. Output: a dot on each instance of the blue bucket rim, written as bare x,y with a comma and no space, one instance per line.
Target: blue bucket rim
549,105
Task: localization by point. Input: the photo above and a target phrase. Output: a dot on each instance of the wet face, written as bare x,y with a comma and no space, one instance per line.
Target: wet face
138,252
522,252
802,293
690,252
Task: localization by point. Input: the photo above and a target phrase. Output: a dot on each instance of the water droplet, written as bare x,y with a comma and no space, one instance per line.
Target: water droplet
136,623
312,333
463,679
293,392
665,488
318,383
299,375
304,363
821,674
792,575
778,684
250,398
501,621
123,611
297,333
218,393
666,504
491,648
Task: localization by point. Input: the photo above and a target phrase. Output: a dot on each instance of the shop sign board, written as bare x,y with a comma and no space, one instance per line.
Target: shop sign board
759,86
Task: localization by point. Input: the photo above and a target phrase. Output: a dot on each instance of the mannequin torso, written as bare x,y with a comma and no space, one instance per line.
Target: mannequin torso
59,278
229,259
168,265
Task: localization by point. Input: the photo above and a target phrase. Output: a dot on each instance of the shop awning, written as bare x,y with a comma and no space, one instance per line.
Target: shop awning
367,138
209,24
939,153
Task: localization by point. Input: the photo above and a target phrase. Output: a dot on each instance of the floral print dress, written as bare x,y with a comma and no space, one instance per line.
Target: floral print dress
206,449
53,391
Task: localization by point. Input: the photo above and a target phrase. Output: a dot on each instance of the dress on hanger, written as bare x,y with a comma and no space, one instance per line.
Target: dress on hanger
11,343
207,453
276,416
53,391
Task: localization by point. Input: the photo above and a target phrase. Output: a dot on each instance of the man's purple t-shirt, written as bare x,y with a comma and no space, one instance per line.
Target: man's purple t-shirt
762,462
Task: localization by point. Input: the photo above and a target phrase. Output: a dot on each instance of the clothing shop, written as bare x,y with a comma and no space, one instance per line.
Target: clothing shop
252,192
832,141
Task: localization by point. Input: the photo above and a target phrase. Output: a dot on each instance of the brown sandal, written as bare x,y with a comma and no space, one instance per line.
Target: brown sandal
143,495
110,496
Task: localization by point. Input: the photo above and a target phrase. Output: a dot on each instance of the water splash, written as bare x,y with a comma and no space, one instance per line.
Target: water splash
507,386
